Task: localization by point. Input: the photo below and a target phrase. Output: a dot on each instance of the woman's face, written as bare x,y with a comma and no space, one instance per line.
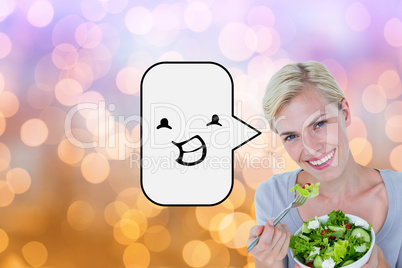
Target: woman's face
313,131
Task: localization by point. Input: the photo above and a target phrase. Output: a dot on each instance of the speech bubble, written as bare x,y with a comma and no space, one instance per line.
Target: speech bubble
191,133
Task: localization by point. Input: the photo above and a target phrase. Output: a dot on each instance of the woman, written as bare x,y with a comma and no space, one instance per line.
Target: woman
306,108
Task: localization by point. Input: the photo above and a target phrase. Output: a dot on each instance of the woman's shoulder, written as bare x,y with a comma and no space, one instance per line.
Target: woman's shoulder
394,176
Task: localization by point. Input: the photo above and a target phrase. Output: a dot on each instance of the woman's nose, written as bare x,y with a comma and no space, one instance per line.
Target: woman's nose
313,144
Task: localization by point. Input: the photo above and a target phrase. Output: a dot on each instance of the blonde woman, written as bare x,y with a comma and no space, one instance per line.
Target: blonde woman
306,108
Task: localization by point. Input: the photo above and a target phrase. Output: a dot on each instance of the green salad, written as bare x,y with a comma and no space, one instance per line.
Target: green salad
308,190
336,243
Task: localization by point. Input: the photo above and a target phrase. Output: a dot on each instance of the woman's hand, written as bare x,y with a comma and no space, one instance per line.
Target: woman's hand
273,244
376,259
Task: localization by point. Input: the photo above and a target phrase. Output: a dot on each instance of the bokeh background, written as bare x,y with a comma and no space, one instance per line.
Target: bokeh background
66,206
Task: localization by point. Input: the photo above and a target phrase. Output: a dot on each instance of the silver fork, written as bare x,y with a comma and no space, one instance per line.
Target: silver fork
298,202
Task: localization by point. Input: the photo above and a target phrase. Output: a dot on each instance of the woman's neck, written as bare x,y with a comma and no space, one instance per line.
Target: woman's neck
348,182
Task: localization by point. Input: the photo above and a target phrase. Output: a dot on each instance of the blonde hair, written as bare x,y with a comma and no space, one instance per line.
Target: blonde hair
291,79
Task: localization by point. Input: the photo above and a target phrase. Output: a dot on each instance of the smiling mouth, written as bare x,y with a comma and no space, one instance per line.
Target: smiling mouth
195,151
322,161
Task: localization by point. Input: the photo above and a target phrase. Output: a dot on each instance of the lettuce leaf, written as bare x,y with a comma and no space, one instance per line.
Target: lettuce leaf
308,191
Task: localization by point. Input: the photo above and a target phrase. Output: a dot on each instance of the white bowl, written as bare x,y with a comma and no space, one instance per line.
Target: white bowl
357,264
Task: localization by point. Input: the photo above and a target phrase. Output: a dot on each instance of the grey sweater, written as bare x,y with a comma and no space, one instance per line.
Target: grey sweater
273,195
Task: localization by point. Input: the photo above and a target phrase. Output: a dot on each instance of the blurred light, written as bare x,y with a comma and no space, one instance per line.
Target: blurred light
391,83
147,207
261,15
41,13
165,27
5,156
34,132
139,20
238,194
5,45
206,214
110,36
6,8
132,225
2,82
196,253
64,56
357,129
391,32
338,72
157,238
171,56
88,35
19,180
394,108
129,196
275,43
136,255
357,17
35,253
114,211
264,38
115,6
80,215
197,16
230,232
3,240
220,256
373,99
393,128
237,41
130,229
6,194
90,97
95,168
69,153
39,99
128,80
63,30
135,136
3,125
395,158
68,91
100,60
214,226
258,168
9,104
362,150
82,72
54,118
46,74
93,10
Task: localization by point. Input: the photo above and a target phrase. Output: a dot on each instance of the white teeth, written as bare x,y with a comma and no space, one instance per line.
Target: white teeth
323,160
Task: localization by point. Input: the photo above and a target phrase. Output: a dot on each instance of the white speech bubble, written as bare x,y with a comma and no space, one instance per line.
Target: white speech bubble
192,134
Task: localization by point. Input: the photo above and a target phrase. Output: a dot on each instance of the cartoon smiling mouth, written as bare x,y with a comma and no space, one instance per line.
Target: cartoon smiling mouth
194,151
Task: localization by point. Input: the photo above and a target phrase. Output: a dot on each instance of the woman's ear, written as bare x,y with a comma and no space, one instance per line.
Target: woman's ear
346,112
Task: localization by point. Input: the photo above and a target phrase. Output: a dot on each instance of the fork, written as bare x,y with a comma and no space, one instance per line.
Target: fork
297,202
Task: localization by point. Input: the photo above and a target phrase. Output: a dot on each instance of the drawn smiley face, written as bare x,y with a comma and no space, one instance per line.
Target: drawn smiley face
192,146
189,133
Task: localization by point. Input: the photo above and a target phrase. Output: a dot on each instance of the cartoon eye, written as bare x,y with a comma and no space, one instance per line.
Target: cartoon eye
214,121
164,123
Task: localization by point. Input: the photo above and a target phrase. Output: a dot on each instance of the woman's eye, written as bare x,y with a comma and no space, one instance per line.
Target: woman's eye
320,124
290,137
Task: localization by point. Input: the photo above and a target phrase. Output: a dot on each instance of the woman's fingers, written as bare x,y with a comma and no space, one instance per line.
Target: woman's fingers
273,243
256,231
265,242
373,260
285,245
